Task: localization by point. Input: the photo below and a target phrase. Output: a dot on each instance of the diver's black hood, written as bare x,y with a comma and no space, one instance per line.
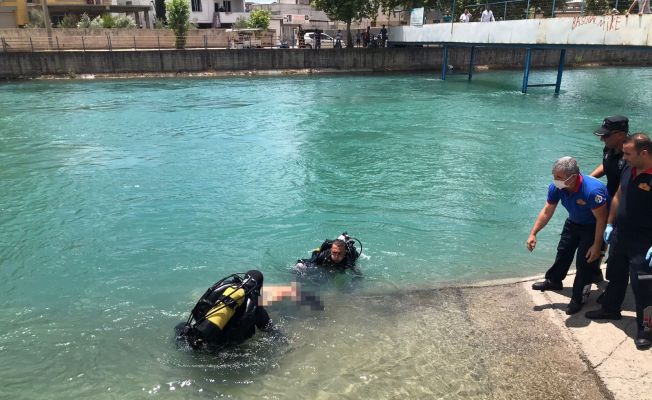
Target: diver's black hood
256,277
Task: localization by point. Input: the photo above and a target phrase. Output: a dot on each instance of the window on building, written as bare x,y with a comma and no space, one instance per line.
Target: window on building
196,5
227,5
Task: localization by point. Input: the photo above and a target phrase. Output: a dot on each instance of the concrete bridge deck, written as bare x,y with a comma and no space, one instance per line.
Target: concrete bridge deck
633,31
609,31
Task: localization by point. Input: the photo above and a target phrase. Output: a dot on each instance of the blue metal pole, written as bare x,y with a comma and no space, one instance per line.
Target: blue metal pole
471,59
560,70
526,73
444,63
527,11
505,13
553,8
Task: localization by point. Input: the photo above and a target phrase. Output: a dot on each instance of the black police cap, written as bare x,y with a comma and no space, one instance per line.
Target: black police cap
617,123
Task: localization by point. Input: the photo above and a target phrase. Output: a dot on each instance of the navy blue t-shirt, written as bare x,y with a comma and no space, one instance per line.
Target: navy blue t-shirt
591,194
634,218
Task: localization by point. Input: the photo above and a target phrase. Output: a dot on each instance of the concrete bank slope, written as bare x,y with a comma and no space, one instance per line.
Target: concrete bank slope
480,343
73,63
607,347
524,351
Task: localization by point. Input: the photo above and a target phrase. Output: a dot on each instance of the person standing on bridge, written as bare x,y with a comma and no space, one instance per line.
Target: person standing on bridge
487,15
466,16
643,7
383,36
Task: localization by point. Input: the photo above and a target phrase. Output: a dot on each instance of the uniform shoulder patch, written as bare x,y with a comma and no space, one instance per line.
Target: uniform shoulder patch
599,199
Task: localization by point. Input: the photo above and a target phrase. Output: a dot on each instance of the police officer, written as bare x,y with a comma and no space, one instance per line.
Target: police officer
612,132
629,231
585,198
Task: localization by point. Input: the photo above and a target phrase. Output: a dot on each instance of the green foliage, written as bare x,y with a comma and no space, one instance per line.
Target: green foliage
124,21
596,7
348,11
159,24
108,21
84,21
178,18
96,23
259,19
36,19
68,21
241,23
388,6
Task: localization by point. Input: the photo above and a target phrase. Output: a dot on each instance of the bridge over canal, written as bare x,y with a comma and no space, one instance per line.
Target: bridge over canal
607,32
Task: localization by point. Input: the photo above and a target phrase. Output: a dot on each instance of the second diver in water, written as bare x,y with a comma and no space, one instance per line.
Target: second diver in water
334,255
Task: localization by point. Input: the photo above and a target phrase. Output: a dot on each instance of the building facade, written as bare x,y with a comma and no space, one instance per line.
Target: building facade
217,13
15,13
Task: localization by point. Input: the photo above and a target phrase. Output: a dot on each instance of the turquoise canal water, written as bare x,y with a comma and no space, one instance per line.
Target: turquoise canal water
122,200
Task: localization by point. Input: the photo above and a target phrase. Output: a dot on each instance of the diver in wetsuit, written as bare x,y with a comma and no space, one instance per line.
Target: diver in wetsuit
228,313
334,255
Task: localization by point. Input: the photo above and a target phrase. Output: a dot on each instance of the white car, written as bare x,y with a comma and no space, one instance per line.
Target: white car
326,41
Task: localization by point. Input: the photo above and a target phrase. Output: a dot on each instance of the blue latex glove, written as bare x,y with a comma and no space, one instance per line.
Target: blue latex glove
607,233
648,257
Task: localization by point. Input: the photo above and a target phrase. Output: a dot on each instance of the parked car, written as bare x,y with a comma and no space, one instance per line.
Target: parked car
326,40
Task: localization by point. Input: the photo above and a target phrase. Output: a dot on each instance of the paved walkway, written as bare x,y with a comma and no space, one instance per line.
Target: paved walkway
607,346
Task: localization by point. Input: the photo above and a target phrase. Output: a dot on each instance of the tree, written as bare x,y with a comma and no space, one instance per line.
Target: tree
347,11
68,21
596,7
108,21
178,17
259,19
36,18
84,21
241,23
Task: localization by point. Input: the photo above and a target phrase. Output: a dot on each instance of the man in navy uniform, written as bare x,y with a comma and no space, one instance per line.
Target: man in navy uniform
612,132
629,231
585,198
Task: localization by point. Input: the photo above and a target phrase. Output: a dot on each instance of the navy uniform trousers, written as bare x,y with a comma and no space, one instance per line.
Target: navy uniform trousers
627,262
575,238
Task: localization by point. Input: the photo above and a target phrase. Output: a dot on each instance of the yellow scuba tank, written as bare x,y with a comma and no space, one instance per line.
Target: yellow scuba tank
221,314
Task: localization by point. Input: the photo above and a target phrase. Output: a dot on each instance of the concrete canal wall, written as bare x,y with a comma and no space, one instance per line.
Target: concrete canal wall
15,65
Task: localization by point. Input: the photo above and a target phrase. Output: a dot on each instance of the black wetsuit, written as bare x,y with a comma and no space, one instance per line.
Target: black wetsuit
323,259
244,322
242,325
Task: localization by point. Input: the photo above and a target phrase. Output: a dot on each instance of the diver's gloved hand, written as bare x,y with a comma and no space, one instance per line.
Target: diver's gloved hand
648,257
607,233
